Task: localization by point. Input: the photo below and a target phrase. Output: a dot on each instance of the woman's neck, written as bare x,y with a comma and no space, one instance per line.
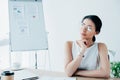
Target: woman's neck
89,42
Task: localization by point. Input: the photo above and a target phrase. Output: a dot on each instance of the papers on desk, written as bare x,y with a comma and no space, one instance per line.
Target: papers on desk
57,78
25,75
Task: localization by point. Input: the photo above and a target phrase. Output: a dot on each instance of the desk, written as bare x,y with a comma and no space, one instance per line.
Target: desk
62,74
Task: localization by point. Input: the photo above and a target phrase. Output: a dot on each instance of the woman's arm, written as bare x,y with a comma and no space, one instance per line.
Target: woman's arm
104,70
71,64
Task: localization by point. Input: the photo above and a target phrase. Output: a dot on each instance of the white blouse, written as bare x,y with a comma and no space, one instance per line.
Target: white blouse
90,59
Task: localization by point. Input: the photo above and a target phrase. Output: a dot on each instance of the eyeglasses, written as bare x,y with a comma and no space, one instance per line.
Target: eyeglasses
87,27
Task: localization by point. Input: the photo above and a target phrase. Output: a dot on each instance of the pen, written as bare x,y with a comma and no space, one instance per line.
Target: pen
31,78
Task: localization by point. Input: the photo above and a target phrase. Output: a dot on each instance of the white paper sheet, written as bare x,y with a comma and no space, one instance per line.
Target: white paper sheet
24,74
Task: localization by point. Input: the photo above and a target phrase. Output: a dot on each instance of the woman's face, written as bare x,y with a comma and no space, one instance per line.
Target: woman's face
87,30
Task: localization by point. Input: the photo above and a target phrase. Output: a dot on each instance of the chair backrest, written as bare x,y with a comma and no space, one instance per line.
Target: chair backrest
111,55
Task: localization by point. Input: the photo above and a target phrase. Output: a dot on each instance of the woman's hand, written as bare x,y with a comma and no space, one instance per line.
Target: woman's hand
82,44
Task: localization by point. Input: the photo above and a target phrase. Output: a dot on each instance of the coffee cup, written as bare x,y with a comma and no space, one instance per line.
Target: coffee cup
7,75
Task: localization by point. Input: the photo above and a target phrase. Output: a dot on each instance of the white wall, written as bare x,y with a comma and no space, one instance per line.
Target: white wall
63,17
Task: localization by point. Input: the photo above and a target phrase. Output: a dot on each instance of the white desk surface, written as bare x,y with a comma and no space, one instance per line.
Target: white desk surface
60,75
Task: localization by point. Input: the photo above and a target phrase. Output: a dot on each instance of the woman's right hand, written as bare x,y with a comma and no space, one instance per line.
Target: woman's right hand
82,44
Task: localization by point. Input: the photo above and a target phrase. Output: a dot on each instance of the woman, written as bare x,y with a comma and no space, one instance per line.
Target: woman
85,57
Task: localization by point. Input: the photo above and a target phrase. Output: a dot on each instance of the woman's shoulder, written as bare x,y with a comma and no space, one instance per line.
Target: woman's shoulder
100,44
68,43
102,47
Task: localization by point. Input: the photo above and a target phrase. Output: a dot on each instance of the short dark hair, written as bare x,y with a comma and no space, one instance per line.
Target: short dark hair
96,20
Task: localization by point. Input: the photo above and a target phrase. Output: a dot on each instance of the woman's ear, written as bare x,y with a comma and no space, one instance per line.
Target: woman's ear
97,32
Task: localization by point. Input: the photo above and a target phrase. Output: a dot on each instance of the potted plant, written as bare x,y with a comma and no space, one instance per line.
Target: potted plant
115,69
